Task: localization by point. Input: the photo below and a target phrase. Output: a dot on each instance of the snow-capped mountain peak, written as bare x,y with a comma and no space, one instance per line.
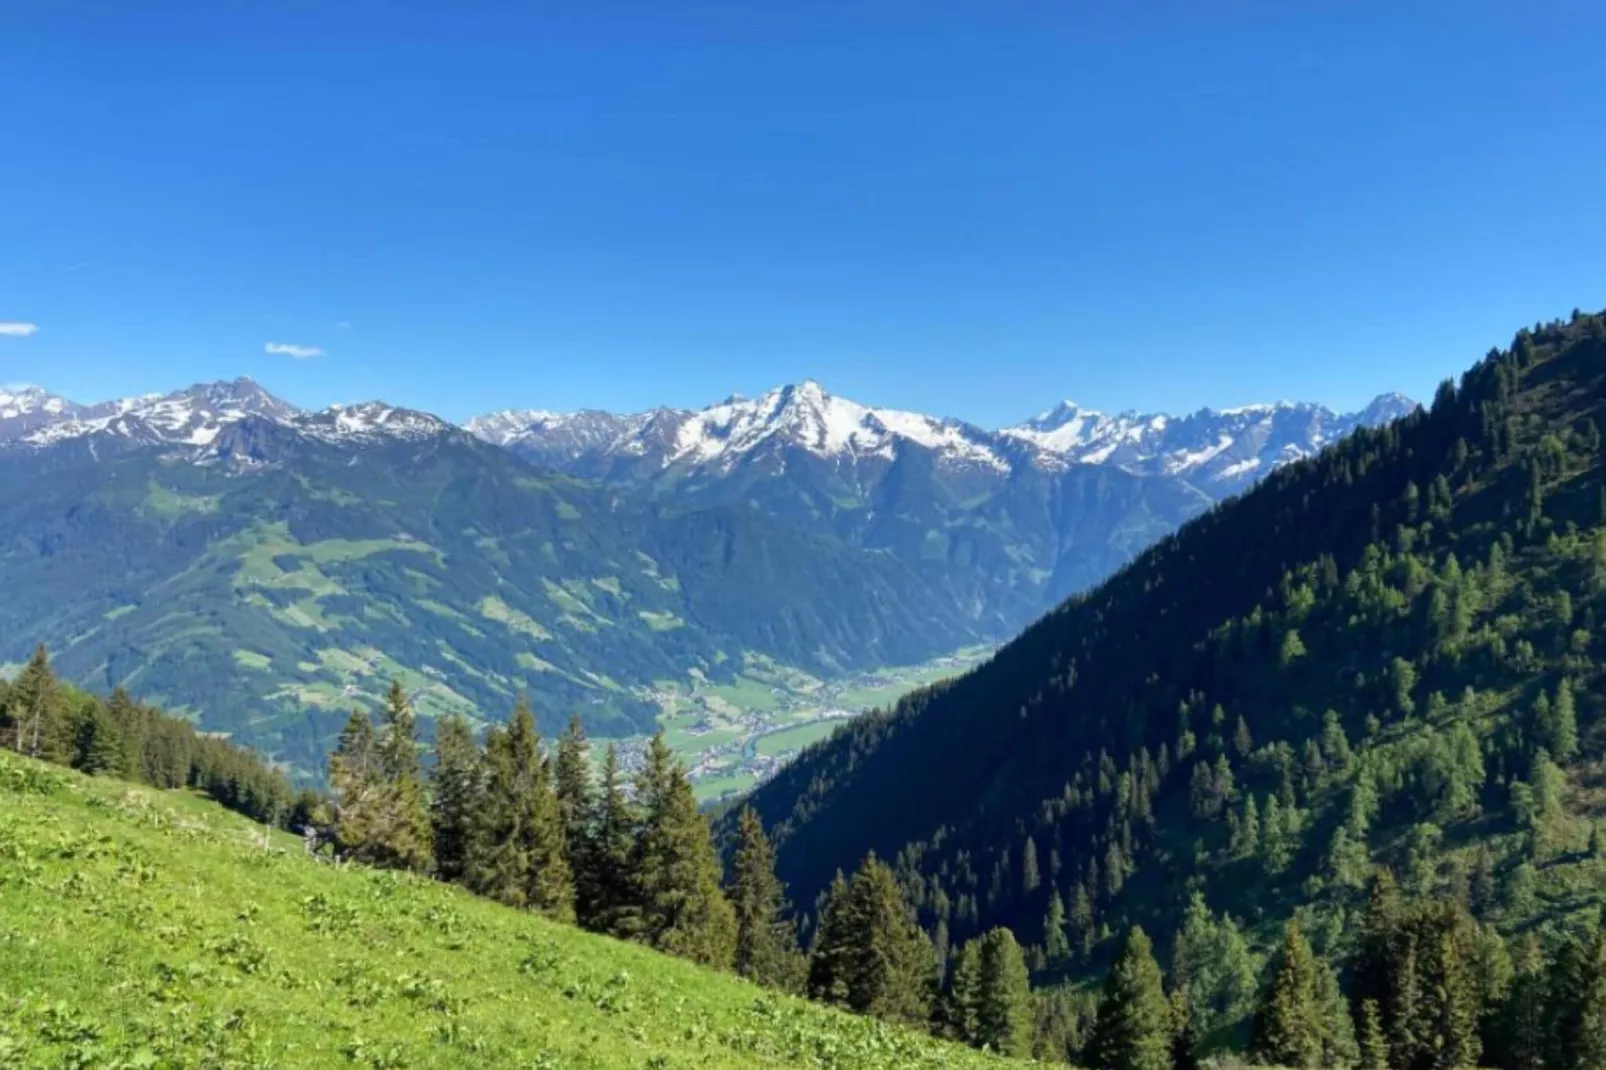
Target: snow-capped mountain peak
371,420
1219,450
806,416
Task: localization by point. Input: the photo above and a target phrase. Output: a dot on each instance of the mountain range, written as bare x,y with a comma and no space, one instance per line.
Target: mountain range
264,568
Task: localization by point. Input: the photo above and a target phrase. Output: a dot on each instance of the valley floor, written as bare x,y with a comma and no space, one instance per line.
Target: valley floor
733,736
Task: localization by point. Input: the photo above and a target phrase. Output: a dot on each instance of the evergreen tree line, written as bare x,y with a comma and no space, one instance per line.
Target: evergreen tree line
45,718
546,833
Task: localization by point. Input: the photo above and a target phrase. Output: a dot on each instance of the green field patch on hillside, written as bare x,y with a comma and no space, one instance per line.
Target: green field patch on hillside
744,693
493,608
609,584
720,786
250,659
164,502
566,511
119,612
795,739
527,660
660,621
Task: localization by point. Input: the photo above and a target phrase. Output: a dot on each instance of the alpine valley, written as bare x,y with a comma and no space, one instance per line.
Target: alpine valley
264,569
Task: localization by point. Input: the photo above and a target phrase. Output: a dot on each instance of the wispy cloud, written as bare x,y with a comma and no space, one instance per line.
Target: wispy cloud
17,328
343,325
290,349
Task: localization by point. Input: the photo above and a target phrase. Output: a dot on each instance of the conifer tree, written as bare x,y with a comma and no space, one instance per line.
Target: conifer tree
355,777
576,809
615,905
683,910
521,858
1523,1030
766,939
36,722
1373,1044
405,842
1133,1029
1184,1043
830,960
1004,1014
98,744
1056,945
457,798
1289,1030
872,956
964,995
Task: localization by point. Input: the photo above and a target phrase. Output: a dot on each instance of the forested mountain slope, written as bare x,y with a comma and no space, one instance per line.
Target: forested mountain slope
269,579
1385,655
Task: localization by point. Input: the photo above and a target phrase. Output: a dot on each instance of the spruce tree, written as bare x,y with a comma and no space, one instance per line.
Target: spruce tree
98,744
35,725
1004,1014
1184,1043
830,960
520,858
1374,1044
615,905
1289,1027
683,910
871,955
576,808
1056,945
405,842
354,776
1133,1030
1523,1029
457,797
963,998
766,939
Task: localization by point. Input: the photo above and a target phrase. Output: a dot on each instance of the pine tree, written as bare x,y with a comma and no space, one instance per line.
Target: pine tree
35,723
520,860
830,960
1030,879
1559,732
616,895
1578,1002
963,999
1374,1045
98,743
1289,1029
1184,1044
766,939
1450,1005
1004,1013
872,956
404,842
1133,1029
576,809
683,910
457,798
1056,945
354,776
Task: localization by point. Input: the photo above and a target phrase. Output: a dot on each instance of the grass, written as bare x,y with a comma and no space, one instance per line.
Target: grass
791,739
493,608
148,929
719,786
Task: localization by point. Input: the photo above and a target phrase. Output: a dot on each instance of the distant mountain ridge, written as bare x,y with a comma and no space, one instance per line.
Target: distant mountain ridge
1221,452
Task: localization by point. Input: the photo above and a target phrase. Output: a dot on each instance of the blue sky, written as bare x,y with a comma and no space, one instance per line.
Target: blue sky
970,208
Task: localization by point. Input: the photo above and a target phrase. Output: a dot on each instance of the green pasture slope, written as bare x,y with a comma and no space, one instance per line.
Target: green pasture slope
143,929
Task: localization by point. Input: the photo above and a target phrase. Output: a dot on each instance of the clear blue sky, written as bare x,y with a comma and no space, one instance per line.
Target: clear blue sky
971,208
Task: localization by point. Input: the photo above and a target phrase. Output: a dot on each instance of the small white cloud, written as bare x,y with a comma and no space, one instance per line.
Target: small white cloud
343,325
289,349
17,329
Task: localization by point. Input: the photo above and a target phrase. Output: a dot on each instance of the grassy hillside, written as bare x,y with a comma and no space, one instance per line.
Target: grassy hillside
1388,656
147,929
